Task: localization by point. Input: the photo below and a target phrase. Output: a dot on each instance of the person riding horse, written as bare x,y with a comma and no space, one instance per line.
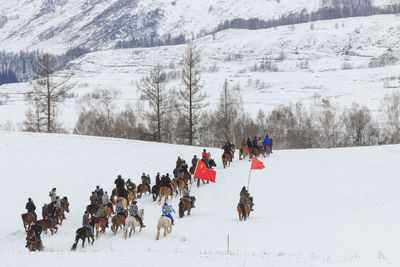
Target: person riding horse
30,207
120,208
246,198
53,195
146,180
166,181
180,173
186,195
134,212
129,185
106,201
158,179
166,211
101,213
94,200
37,230
228,149
194,161
119,182
184,166
99,191
45,214
178,162
85,223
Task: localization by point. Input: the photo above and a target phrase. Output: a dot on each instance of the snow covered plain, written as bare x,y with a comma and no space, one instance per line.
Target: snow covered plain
320,207
337,70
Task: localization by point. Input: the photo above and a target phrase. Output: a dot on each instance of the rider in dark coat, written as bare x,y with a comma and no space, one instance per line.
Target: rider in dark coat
248,142
194,161
30,207
184,166
158,179
119,182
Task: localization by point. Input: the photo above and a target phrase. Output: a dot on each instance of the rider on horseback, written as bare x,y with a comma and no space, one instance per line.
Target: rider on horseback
186,195
158,179
30,207
267,141
228,149
204,158
94,200
146,180
101,213
246,198
53,195
99,192
178,162
129,185
134,212
37,230
166,211
166,181
119,182
194,161
184,166
120,208
85,223
106,201
45,214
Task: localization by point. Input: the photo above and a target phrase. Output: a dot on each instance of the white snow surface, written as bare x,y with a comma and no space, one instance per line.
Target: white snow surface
314,207
231,54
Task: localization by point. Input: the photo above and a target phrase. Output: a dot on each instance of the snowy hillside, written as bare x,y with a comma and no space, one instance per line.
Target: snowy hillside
340,61
326,207
56,25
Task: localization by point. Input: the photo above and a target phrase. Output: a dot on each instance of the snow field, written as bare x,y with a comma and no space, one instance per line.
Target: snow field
317,207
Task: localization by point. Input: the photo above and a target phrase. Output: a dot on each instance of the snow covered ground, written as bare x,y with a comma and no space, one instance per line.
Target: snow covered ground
326,63
318,207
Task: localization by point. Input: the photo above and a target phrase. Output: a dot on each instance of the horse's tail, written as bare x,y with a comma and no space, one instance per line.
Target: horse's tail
181,210
241,205
73,246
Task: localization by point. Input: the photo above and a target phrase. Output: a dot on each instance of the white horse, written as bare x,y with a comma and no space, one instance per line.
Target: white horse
131,222
166,223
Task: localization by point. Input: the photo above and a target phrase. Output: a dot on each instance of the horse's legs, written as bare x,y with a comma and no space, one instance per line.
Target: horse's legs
165,230
158,234
83,241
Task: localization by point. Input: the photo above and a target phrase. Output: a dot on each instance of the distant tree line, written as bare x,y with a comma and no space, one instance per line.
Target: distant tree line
332,9
20,67
151,41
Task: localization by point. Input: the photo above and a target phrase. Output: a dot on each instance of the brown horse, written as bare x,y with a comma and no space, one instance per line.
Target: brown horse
131,195
27,219
114,195
118,222
46,224
33,241
60,211
164,191
267,150
243,211
262,150
186,205
187,177
226,159
100,225
180,184
192,169
143,188
82,233
243,152
107,209
255,151
123,201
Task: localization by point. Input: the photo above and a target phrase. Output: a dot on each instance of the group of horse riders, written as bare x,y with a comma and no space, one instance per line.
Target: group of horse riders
49,215
255,145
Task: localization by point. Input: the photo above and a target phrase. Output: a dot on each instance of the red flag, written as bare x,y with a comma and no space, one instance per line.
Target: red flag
256,164
204,173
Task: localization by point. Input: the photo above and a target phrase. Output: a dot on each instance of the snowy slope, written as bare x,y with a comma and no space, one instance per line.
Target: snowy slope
232,54
325,207
56,25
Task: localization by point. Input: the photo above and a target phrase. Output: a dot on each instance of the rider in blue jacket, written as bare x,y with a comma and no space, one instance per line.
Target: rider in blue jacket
166,211
267,141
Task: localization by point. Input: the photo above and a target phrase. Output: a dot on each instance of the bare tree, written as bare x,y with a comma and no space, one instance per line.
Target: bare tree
191,94
47,93
226,113
152,89
391,116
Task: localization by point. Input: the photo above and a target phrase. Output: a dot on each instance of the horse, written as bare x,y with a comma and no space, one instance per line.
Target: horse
185,205
243,152
179,184
45,224
187,177
114,194
226,159
131,195
131,222
255,151
100,225
155,190
117,222
212,163
192,169
124,202
164,191
27,219
92,209
243,211
60,211
33,241
166,223
262,150
143,188
107,209
82,233
268,150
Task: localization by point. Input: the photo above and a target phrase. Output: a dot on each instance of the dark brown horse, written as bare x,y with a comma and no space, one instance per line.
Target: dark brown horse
143,188
60,211
92,209
179,185
118,222
186,205
226,159
255,151
48,224
164,191
33,241
243,211
187,177
82,233
27,219
155,190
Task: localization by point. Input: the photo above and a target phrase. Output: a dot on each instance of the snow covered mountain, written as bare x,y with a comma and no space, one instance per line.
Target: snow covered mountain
313,207
56,25
340,61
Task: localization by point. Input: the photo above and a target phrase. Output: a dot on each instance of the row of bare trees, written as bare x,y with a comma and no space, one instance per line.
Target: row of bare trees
178,116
